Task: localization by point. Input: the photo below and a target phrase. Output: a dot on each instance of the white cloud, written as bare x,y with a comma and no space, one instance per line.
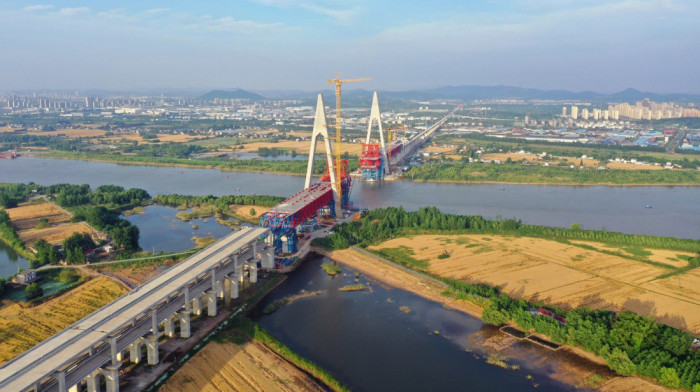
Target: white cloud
341,11
74,11
229,23
155,11
38,7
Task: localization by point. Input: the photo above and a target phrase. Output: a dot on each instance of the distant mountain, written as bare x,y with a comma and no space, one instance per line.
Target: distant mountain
502,92
232,94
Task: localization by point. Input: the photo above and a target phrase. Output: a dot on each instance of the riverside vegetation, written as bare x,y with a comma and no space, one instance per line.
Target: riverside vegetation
630,344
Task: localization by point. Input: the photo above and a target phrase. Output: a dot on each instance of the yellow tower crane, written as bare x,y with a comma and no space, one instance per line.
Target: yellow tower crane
336,152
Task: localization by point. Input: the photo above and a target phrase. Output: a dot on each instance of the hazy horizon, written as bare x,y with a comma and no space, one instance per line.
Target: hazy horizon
278,45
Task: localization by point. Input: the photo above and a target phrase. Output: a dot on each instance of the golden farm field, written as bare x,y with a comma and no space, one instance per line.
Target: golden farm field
301,147
55,234
72,133
232,367
564,275
22,328
27,215
632,166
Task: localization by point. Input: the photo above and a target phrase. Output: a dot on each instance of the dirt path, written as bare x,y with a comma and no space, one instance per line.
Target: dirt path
232,367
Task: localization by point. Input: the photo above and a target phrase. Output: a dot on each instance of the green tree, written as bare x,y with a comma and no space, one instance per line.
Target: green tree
575,226
493,315
669,378
45,254
2,286
621,363
68,275
696,388
252,212
34,291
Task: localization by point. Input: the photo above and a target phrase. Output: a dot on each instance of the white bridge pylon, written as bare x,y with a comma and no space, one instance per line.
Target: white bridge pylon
375,115
321,128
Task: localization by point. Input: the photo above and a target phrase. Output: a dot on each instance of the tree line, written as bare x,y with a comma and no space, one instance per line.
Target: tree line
223,202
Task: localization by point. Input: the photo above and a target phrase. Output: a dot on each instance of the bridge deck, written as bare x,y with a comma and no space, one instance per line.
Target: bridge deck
58,351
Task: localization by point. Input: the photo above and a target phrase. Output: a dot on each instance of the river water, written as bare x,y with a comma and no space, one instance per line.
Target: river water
387,339
674,212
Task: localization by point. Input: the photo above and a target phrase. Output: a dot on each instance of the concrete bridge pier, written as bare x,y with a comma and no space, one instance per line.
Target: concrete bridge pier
197,305
135,351
253,271
92,381
268,257
234,285
152,349
169,327
184,317
111,374
211,303
227,291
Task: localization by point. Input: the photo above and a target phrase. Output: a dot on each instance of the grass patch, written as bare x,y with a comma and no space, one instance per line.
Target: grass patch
331,269
275,305
637,251
496,359
353,287
402,255
578,257
138,210
204,212
203,242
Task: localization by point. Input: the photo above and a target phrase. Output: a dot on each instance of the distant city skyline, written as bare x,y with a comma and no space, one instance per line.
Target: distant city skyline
597,45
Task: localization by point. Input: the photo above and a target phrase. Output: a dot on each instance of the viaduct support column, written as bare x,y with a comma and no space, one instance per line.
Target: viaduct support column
184,317
227,291
253,268
169,327
211,294
211,303
135,351
92,381
61,378
234,285
152,349
197,306
111,373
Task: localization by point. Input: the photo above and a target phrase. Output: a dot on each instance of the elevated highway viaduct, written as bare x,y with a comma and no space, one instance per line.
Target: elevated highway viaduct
95,346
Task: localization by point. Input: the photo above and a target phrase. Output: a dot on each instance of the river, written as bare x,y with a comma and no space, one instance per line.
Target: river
387,339
674,211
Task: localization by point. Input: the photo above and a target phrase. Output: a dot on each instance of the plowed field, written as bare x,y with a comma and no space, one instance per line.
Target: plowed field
27,215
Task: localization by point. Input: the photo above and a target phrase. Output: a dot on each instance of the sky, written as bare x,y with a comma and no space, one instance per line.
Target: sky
579,45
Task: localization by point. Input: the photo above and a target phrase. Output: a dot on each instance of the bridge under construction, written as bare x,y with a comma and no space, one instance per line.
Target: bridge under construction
286,219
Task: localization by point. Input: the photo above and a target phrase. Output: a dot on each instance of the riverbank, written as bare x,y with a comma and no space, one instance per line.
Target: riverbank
574,371
227,166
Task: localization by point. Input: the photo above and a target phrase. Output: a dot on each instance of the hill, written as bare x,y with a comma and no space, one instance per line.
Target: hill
232,94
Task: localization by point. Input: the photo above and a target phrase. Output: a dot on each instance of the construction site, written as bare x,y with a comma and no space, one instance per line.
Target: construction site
312,211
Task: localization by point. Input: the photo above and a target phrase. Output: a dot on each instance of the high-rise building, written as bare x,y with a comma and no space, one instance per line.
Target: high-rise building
563,111
584,114
574,112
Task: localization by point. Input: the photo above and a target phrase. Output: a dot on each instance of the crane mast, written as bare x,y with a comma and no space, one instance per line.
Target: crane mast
338,125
